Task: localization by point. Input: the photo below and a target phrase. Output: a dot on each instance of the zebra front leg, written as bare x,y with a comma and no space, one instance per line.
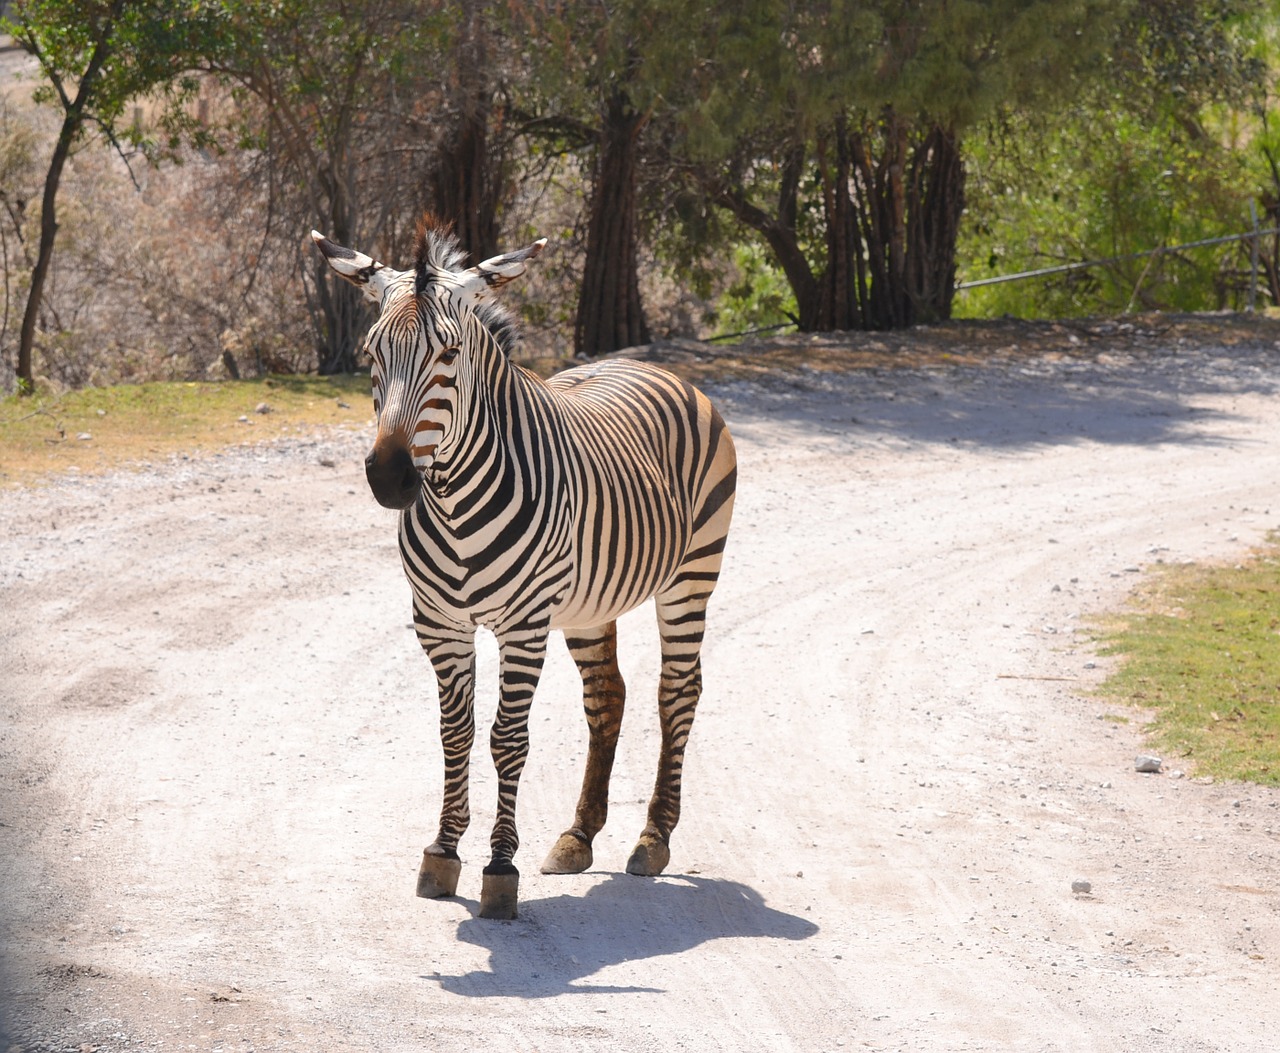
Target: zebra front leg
452,653
681,621
520,665
603,698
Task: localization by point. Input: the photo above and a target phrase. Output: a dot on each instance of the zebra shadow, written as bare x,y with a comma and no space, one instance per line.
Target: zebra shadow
561,940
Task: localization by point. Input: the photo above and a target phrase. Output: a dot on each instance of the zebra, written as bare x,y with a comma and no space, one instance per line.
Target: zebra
529,505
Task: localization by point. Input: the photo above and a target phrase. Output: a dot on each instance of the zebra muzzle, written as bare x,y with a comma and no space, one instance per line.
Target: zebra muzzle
393,477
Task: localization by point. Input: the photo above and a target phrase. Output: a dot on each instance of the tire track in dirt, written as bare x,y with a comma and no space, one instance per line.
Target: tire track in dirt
213,813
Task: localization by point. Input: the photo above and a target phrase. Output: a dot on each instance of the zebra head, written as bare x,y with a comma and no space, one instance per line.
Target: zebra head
429,318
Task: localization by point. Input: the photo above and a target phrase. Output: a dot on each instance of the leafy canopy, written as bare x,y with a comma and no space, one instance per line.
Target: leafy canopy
98,56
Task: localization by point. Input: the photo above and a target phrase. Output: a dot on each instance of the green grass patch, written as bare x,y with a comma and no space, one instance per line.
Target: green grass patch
98,429
1201,647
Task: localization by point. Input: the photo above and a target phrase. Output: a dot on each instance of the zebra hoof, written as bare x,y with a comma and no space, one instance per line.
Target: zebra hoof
499,892
649,857
438,874
571,854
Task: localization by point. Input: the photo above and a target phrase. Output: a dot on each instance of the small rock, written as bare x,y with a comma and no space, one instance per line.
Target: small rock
243,419
343,405
1177,775
1080,885
1146,763
262,407
326,462
84,436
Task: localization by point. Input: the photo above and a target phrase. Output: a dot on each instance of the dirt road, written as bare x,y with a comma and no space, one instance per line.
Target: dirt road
219,758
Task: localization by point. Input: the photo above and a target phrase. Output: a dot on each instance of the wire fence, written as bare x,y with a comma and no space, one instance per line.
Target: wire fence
1253,236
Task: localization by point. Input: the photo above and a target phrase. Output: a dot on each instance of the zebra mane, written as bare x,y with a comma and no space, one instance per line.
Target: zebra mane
437,250
436,247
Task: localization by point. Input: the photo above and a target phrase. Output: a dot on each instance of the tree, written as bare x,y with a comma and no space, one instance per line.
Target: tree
600,74
834,131
610,315
318,80
96,57
467,168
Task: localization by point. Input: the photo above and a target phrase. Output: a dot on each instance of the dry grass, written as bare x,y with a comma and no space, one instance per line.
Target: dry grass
1199,645
97,429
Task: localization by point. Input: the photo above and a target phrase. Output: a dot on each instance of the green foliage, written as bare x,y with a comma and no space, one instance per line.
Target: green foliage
150,47
323,69
1097,189
1200,650
776,66
775,139
759,296
333,94
96,57
1163,150
831,131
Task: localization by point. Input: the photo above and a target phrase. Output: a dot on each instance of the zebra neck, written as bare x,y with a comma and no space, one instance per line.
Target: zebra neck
489,450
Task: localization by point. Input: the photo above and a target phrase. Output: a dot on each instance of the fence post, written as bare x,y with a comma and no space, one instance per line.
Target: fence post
1151,258
1253,256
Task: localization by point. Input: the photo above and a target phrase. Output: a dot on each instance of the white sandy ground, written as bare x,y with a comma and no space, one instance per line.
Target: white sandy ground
219,758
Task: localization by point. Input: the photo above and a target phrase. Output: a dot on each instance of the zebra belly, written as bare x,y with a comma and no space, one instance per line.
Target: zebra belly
584,614
616,572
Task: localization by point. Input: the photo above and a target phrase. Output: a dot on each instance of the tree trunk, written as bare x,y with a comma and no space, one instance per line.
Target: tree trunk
44,256
342,308
462,191
779,232
342,315
873,231
935,202
841,307
905,208
466,184
610,315
72,121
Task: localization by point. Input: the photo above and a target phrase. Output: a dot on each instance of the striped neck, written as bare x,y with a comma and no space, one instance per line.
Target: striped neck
478,446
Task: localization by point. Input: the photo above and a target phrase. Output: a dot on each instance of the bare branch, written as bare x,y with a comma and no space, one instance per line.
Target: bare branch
110,133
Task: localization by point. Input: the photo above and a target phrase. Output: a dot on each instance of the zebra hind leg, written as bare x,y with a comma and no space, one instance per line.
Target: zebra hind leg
681,620
603,697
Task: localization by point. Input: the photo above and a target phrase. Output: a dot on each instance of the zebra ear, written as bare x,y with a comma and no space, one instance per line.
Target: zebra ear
364,272
497,271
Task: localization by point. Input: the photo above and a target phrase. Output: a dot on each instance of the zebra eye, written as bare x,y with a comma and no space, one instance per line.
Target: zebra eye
448,355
